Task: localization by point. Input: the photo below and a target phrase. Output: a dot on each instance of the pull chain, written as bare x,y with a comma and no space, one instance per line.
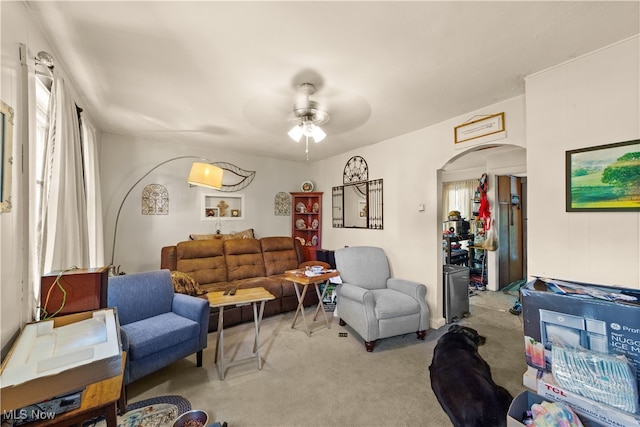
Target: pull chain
306,150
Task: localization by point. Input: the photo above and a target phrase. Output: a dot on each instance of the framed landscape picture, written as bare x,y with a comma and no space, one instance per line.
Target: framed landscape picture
604,178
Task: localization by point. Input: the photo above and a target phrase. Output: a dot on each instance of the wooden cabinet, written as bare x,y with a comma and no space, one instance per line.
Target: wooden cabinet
306,221
73,291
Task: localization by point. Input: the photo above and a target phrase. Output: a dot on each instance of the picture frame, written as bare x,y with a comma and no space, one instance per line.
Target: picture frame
6,155
235,213
603,178
212,212
484,126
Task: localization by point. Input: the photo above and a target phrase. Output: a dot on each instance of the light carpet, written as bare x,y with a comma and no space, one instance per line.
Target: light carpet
329,380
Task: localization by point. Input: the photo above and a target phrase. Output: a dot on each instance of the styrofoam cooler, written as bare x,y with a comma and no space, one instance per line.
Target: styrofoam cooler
456,292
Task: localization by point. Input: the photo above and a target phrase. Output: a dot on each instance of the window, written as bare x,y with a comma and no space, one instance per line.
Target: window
458,196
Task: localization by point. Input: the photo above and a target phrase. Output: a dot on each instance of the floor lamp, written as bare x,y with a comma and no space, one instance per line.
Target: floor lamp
201,174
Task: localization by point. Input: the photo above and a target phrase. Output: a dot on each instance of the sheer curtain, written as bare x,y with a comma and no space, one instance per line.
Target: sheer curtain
458,196
94,196
63,229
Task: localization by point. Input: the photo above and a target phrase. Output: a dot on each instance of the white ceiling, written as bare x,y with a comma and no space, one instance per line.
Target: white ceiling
224,74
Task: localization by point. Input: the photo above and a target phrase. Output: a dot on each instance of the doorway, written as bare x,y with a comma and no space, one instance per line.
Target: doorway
511,216
502,268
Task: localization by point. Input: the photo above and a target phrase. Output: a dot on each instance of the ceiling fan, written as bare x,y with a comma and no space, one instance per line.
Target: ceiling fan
308,116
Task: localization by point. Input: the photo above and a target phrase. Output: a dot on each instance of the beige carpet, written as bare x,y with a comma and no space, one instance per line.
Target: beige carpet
328,380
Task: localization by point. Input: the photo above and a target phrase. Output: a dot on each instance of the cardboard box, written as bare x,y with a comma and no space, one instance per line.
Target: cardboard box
595,413
60,355
600,318
523,402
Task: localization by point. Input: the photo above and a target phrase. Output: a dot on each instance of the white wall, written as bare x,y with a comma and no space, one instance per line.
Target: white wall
590,101
140,238
409,166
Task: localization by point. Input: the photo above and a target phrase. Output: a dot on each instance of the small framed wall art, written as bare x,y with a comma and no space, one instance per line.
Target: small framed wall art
486,125
604,178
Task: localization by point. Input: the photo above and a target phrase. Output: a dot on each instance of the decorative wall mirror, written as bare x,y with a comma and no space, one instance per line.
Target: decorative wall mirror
357,203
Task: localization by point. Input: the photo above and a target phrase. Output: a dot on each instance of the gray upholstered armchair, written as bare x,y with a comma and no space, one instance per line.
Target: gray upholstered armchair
373,304
158,327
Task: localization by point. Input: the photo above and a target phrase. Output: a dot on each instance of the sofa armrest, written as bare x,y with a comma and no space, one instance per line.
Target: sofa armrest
169,258
196,309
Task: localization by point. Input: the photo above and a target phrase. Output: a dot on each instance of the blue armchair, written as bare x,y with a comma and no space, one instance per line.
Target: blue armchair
374,304
158,327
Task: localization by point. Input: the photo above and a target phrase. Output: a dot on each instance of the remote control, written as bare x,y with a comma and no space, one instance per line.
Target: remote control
233,291
226,292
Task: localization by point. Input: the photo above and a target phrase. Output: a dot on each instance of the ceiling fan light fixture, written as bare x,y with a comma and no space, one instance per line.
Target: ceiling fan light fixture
296,133
310,117
317,134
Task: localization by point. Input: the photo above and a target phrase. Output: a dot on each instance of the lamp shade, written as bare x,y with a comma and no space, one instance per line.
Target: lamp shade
205,175
296,133
318,134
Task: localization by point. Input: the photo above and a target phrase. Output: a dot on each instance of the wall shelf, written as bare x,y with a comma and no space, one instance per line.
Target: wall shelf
222,207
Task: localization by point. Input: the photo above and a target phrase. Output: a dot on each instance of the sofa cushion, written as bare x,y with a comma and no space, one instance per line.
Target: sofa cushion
185,284
392,304
279,254
243,258
143,335
203,260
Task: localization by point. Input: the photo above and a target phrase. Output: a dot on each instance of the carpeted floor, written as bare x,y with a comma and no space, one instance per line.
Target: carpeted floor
330,380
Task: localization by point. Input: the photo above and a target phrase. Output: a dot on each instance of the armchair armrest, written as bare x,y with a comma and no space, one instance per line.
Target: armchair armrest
124,339
189,307
409,287
196,309
356,293
356,307
417,291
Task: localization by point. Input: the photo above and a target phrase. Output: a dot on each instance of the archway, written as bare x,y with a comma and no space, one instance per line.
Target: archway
505,160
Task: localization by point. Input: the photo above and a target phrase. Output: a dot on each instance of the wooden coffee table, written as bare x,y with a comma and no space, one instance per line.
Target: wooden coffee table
299,278
105,397
246,296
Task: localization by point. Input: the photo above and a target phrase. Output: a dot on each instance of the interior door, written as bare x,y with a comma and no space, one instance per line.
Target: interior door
511,230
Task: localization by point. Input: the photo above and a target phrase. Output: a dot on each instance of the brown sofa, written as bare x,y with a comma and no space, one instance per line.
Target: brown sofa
218,264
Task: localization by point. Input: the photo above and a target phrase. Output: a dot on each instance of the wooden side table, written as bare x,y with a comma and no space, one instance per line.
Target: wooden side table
105,397
299,278
246,296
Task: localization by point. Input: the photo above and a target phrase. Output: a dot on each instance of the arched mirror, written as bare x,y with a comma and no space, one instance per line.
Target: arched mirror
357,203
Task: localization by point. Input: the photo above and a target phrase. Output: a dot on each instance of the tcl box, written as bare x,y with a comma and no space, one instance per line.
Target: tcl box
60,355
603,319
589,411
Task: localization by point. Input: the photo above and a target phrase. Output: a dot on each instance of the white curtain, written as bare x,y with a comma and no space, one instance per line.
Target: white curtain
94,196
63,231
458,196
